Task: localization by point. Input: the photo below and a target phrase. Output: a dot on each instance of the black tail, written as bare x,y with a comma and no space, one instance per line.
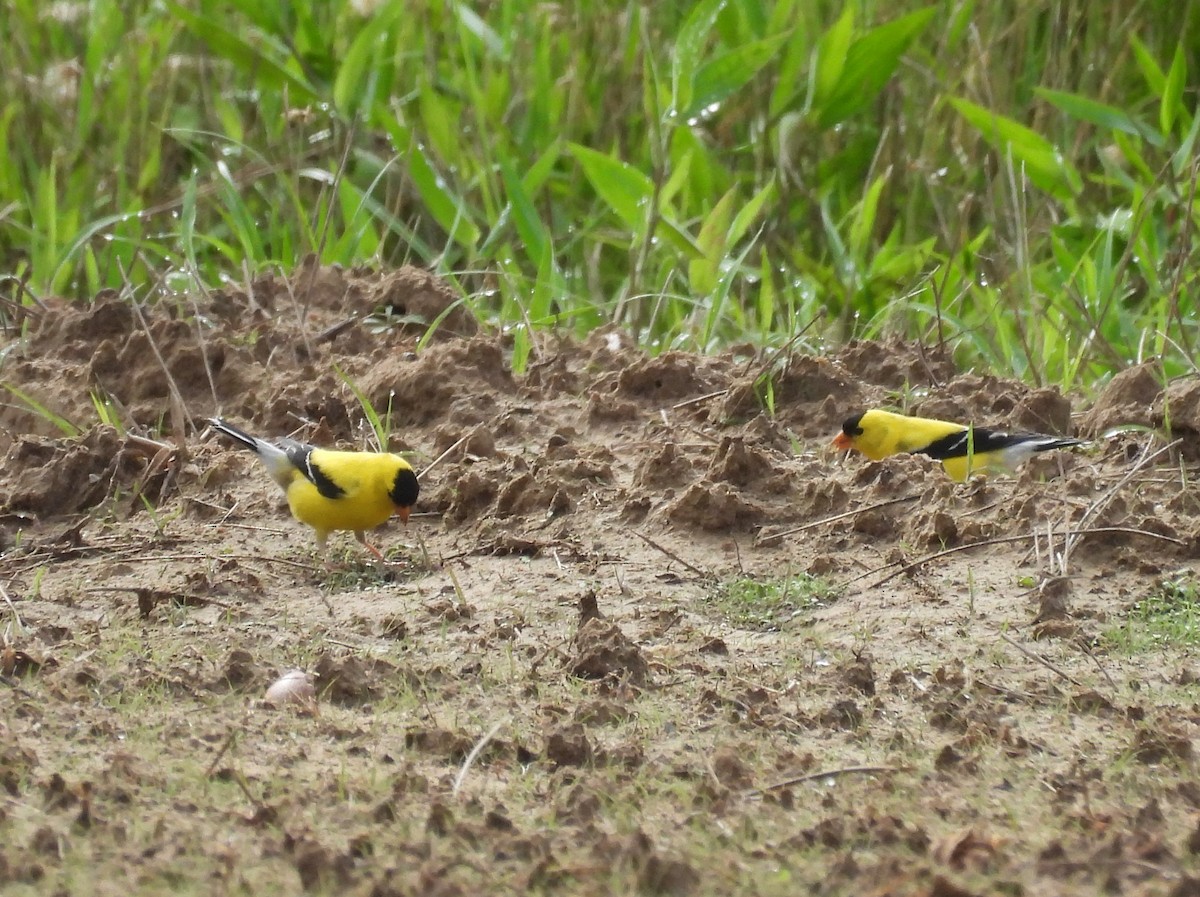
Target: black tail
1052,443
234,433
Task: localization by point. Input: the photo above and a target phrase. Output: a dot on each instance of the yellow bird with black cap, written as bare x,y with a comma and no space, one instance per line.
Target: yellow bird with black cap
962,449
334,490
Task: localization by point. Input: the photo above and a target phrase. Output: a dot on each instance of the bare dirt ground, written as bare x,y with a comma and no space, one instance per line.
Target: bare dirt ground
565,681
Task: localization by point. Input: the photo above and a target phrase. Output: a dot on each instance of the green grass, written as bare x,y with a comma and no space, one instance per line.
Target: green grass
1015,180
768,604
1169,617
66,427
381,425
350,568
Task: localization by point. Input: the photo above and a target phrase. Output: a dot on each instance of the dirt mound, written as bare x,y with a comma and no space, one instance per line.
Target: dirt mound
50,477
1177,410
459,383
1127,400
265,354
603,651
407,298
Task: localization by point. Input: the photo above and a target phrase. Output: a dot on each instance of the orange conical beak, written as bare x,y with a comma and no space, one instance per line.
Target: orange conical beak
403,513
842,441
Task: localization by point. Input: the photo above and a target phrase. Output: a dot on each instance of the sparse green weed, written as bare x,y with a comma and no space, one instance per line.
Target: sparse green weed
160,518
351,570
35,589
381,426
31,404
766,604
1169,617
107,412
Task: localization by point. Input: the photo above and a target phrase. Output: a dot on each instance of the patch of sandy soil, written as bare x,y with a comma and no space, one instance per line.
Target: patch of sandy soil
550,688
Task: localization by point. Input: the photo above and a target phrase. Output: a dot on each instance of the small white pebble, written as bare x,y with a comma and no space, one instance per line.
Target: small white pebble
293,687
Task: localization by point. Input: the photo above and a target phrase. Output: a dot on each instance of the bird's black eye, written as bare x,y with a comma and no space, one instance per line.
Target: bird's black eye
853,425
405,489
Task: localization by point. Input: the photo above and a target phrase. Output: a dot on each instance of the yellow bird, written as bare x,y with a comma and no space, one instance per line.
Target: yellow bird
332,490
962,449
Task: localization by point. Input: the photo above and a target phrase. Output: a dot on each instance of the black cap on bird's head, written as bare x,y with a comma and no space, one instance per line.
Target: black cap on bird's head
851,428
404,492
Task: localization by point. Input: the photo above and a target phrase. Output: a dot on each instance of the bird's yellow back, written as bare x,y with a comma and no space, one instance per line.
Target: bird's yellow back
365,480
885,433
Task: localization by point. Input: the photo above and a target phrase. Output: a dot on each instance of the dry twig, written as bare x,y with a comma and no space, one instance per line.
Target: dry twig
1073,537
444,455
703,574
1001,540
471,757
12,607
824,774
1037,658
775,537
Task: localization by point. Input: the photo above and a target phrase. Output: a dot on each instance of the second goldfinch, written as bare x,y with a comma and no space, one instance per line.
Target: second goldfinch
962,450
332,490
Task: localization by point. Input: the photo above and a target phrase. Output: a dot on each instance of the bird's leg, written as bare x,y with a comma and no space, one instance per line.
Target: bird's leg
323,548
362,538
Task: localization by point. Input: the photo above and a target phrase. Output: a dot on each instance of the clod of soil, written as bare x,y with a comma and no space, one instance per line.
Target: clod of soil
442,742
1127,399
666,466
317,865
50,477
1043,411
1154,744
669,377
569,746
603,651
352,680
743,466
16,763
239,672
860,675
713,506
1178,410
420,298
730,768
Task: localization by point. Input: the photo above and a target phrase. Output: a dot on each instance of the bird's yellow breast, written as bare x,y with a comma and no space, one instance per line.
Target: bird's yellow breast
961,468
364,479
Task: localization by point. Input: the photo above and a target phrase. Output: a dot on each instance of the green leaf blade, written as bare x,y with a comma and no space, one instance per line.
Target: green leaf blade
627,191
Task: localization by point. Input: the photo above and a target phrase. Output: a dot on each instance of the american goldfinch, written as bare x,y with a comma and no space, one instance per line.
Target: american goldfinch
962,450
331,490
